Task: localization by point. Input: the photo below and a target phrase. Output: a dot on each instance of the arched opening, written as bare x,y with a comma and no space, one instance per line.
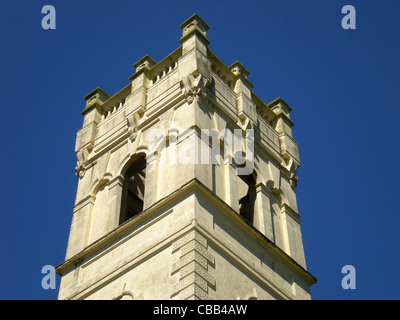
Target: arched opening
133,190
247,196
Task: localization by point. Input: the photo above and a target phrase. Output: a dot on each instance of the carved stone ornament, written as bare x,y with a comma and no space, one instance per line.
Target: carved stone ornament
292,167
293,180
194,85
132,122
82,156
80,170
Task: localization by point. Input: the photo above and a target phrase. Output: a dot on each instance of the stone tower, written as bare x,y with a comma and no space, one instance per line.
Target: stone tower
186,187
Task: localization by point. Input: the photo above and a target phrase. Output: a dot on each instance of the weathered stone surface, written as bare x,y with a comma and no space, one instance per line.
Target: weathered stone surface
188,239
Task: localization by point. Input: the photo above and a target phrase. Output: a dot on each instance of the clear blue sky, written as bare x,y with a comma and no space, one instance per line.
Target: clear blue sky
343,86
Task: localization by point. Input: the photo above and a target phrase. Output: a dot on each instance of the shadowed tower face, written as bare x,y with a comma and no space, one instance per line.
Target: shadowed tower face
186,186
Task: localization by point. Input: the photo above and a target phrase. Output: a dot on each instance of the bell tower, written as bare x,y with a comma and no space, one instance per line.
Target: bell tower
186,186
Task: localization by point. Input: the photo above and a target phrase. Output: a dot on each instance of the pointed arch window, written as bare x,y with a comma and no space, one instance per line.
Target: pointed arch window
133,190
247,196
